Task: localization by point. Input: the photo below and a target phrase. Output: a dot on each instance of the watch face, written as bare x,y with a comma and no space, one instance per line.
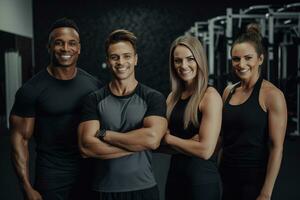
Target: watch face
102,133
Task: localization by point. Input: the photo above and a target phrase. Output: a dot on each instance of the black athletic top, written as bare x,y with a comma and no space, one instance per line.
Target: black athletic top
245,131
123,114
191,169
55,104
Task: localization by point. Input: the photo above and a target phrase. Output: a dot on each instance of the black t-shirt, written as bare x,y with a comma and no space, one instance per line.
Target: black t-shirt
55,104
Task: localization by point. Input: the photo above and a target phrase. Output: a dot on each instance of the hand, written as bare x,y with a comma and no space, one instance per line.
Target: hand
263,197
166,137
32,194
195,137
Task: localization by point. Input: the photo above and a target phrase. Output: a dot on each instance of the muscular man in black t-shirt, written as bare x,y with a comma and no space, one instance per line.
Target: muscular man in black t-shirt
48,107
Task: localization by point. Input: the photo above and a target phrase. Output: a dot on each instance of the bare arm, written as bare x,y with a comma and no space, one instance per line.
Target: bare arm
277,119
90,146
148,137
204,145
21,132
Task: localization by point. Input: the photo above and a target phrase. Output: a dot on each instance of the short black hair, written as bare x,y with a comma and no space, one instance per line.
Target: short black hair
64,22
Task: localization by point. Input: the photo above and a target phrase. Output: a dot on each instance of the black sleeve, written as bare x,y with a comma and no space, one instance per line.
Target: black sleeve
89,108
25,102
156,105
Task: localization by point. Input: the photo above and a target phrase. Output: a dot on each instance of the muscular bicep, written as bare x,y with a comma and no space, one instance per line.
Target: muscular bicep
22,126
210,126
277,117
157,124
87,131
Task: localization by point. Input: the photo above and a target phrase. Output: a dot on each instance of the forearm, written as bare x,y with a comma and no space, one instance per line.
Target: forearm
273,168
189,147
136,140
20,159
101,150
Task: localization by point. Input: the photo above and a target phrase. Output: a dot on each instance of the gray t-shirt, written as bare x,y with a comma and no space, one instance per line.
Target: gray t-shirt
123,114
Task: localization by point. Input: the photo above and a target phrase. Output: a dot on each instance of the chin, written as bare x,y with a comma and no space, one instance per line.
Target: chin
241,77
64,65
120,77
187,79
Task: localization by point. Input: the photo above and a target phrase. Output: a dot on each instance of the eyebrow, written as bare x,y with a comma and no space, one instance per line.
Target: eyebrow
191,56
243,56
59,39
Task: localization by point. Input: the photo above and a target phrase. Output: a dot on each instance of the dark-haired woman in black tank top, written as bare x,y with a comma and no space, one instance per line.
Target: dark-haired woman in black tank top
253,127
194,112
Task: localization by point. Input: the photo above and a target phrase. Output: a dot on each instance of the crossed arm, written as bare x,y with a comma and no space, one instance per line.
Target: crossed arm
202,144
91,146
120,144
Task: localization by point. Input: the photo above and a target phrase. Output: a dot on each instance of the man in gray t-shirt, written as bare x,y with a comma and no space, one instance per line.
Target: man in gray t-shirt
120,124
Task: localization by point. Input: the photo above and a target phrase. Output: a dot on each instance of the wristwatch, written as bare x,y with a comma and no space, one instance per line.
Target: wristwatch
100,134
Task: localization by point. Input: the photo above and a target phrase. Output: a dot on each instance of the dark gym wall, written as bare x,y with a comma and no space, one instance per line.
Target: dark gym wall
156,24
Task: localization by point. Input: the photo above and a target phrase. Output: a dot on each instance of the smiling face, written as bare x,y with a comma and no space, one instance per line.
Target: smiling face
185,64
246,61
122,60
64,47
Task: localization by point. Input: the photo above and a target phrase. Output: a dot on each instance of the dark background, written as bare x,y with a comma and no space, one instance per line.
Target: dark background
156,24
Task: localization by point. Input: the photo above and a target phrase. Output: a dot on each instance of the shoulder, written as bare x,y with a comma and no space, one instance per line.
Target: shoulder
35,84
37,79
227,90
270,90
88,77
146,92
100,93
210,99
169,97
271,95
211,94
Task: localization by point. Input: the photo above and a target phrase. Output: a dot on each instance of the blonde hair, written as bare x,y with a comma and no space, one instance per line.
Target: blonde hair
200,81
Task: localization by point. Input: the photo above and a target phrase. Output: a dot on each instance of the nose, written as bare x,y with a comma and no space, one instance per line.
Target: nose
65,46
242,63
121,60
184,64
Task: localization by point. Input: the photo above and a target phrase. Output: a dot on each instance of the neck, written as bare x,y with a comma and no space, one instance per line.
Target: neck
249,84
62,73
189,87
122,87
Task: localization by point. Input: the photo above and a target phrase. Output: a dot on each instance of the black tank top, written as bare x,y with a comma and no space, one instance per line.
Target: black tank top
191,168
245,131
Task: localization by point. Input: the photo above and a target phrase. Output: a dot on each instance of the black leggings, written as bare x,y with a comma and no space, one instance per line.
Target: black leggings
205,191
242,184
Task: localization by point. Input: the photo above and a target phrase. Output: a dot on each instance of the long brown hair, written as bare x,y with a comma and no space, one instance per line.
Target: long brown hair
199,83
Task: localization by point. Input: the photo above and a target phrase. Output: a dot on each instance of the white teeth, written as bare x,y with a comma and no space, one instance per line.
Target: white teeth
122,69
65,57
243,70
185,72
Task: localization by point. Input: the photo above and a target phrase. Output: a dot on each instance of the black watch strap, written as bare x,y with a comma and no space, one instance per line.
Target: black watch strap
100,134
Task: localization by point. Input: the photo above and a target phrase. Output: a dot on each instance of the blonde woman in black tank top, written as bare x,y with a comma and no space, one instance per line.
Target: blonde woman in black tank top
194,113
254,125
